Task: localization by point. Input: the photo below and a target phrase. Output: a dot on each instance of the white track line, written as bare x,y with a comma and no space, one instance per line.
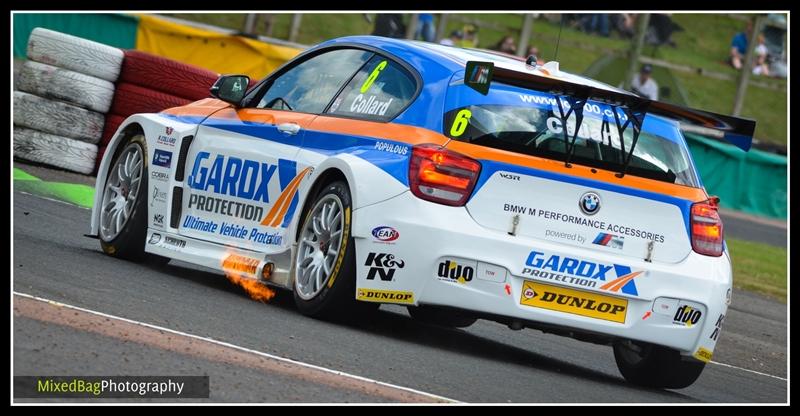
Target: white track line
749,371
225,344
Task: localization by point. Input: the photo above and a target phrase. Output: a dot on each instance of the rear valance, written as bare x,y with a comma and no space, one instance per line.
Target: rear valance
737,131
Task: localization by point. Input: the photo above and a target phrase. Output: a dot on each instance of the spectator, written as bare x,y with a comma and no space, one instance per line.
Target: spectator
597,22
389,25
644,84
506,45
761,66
453,40
426,29
469,37
739,46
626,25
533,50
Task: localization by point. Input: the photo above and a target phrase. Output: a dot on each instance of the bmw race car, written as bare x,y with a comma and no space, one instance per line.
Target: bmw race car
463,184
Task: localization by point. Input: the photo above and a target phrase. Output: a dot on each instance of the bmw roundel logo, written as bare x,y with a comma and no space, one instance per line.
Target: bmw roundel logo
589,203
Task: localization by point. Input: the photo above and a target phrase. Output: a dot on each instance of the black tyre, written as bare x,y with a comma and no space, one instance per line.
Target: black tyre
324,277
123,213
440,316
654,366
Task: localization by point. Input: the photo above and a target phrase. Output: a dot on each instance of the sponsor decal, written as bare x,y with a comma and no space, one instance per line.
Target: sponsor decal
450,271
173,243
241,264
617,277
574,302
162,158
253,234
687,316
583,221
246,179
370,105
717,327
169,131
155,238
565,236
398,149
385,234
159,176
385,296
589,203
703,355
166,140
226,207
478,75
158,196
609,240
509,176
384,265
158,219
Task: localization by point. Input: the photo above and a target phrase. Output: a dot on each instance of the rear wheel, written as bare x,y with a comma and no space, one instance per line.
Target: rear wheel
440,316
324,277
651,365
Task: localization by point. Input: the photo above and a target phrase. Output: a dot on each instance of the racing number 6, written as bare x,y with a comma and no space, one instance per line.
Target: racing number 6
460,123
375,72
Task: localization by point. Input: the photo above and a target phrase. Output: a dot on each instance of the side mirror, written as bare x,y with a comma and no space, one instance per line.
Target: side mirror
230,88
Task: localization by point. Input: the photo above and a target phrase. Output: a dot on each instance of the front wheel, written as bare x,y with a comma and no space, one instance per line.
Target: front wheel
654,366
123,212
324,276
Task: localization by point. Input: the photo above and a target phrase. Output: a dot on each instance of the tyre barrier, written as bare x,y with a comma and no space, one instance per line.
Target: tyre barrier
131,99
56,117
62,84
66,93
54,150
74,53
167,76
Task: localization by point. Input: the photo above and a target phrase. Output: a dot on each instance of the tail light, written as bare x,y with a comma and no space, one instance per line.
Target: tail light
442,176
707,228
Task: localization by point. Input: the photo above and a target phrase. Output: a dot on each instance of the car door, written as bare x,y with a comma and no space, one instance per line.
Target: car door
240,186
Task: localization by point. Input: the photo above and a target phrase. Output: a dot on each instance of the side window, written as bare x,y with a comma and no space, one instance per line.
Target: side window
310,86
379,91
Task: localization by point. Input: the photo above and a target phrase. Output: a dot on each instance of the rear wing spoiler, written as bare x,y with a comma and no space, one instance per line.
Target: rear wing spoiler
737,131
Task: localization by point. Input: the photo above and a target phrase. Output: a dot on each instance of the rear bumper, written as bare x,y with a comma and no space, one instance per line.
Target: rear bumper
430,235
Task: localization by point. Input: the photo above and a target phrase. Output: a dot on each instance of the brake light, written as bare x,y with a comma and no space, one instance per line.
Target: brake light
442,176
707,228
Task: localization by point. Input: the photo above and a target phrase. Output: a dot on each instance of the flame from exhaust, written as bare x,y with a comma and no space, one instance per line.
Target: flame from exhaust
234,265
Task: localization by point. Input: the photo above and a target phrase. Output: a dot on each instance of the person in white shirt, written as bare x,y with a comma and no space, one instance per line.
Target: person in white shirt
643,84
761,66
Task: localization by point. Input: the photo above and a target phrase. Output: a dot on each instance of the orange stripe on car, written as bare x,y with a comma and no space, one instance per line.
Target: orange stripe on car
584,172
278,211
617,284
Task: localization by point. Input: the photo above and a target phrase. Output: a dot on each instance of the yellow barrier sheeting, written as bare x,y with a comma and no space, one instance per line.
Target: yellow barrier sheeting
217,52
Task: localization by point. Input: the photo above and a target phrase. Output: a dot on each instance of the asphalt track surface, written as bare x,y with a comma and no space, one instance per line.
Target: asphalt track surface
484,363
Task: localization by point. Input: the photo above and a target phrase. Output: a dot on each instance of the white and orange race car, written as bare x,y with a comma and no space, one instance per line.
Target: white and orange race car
463,184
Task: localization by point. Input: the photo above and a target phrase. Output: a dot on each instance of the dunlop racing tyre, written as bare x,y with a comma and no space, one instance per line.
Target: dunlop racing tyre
123,212
655,366
324,276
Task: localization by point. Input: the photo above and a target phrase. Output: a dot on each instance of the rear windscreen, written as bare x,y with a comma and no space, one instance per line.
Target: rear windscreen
529,122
